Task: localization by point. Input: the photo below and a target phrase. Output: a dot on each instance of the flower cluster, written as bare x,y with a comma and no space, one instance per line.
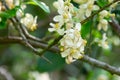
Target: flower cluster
29,21
26,19
103,24
103,43
67,23
72,44
86,7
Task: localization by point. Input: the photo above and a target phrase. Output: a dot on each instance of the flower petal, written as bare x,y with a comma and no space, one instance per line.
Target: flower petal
65,53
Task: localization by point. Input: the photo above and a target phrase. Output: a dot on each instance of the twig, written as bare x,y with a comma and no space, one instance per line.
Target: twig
105,66
90,17
30,43
52,44
21,31
115,26
13,39
28,35
6,74
86,58
82,22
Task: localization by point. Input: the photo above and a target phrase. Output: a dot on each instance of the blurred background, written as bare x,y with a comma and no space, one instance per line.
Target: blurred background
19,62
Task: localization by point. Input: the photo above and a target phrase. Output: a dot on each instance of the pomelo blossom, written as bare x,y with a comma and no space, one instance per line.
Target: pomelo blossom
89,6
65,10
103,43
114,4
103,14
72,44
85,9
56,27
20,12
29,21
103,24
10,3
67,23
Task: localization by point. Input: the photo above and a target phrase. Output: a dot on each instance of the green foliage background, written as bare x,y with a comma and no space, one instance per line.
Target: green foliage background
20,60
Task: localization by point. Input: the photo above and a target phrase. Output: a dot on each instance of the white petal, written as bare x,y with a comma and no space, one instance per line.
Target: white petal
76,55
81,48
83,6
51,24
65,53
60,31
69,59
56,5
78,26
51,29
95,7
69,42
104,36
57,18
88,13
78,43
35,20
99,26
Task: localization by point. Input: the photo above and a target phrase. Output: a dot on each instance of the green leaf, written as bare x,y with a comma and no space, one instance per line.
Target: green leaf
57,62
86,29
3,23
9,13
6,15
97,34
102,3
42,5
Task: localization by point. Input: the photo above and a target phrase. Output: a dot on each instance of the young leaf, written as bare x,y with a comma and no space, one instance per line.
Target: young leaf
86,29
3,23
9,13
102,3
42,5
6,15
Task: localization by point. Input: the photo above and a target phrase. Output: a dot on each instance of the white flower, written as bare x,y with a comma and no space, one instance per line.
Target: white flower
81,13
103,43
72,44
56,27
63,18
103,24
59,5
67,24
103,14
9,3
29,21
89,7
20,12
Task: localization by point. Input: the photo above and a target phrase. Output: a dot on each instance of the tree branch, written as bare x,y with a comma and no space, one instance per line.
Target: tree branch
97,63
6,74
87,59
115,26
90,17
33,43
